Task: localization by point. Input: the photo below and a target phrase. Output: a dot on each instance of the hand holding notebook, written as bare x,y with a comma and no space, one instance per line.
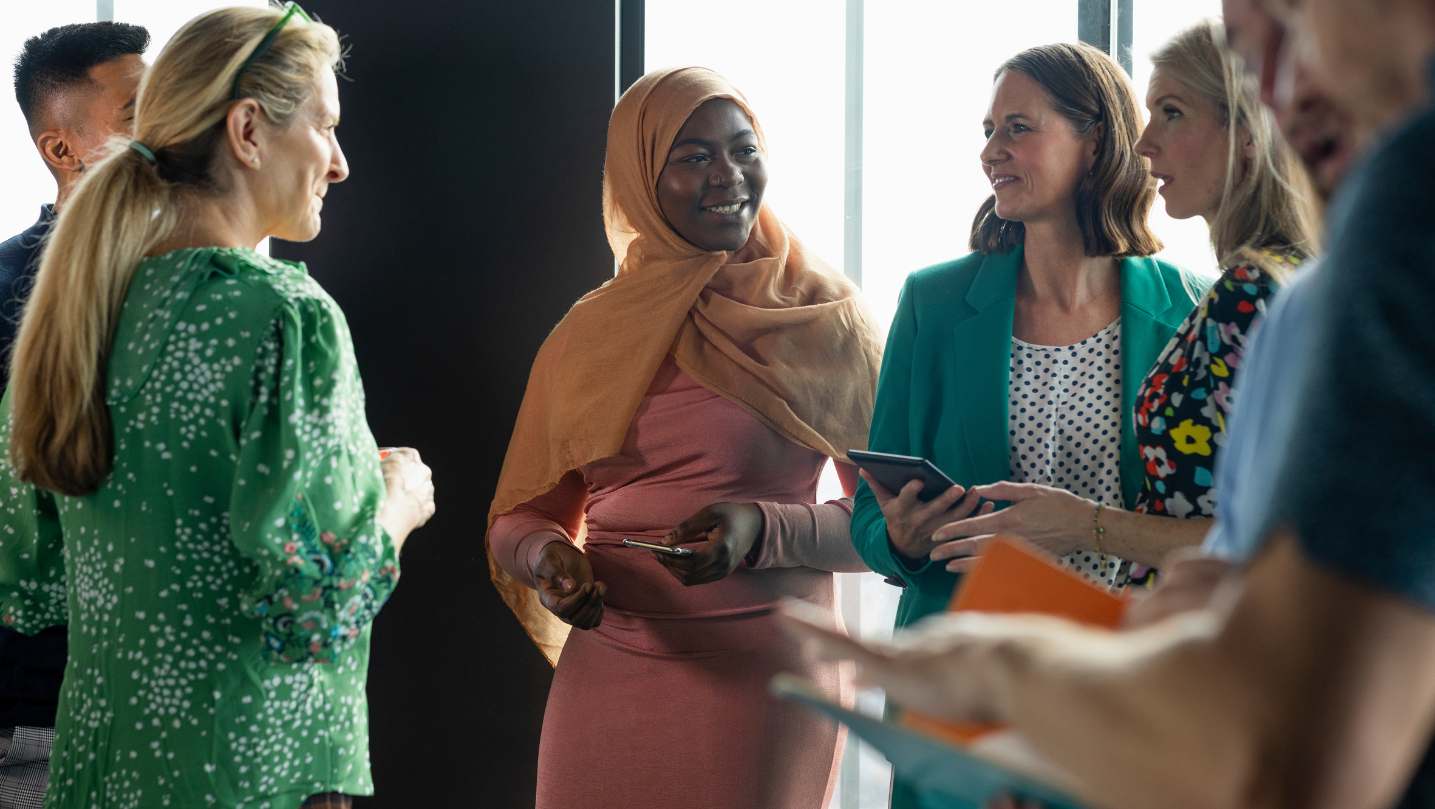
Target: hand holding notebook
942,667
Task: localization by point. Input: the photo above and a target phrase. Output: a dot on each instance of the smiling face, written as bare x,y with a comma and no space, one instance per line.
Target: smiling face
1188,145
1033,158
301,161
711,187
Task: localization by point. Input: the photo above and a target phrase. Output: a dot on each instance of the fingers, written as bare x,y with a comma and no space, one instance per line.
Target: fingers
959,510
590,613
990,522
817,629
882,493
941,504
963,566
583,608
1006,490
694,529
705,565
958,548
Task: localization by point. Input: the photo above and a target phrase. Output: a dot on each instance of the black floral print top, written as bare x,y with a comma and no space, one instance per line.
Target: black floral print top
1182,409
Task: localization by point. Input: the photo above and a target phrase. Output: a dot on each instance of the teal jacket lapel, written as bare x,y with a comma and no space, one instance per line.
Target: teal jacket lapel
980,363
1148,318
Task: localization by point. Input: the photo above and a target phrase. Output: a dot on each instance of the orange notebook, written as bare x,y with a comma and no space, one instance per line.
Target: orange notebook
1014,576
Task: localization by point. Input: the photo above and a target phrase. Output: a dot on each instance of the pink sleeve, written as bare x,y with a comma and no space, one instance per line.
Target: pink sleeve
518,537
807,535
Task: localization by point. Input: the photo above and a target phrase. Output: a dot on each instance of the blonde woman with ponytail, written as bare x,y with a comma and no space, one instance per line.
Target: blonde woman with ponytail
1218,154
185,419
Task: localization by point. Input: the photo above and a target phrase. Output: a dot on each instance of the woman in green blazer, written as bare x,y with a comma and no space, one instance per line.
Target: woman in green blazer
1022,360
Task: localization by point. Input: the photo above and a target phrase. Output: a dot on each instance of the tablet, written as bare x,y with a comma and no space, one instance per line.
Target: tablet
896,471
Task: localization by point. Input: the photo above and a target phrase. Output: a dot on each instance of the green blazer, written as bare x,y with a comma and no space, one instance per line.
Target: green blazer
942,394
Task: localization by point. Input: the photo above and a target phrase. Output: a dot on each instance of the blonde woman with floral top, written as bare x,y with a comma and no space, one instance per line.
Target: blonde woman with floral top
1218,155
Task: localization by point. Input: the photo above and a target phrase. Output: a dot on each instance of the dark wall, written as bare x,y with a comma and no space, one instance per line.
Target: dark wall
472,219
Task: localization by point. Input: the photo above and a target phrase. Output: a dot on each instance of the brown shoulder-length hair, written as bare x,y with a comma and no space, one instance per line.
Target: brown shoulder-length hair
1091,91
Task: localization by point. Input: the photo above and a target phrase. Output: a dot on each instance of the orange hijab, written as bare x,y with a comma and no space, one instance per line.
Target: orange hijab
782,335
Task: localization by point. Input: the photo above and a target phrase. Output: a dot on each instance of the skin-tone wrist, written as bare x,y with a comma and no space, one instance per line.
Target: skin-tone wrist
398,517
1146,539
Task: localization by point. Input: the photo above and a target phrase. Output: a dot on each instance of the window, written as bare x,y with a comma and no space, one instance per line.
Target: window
164,17
797,44
28,184
929,68
1188,243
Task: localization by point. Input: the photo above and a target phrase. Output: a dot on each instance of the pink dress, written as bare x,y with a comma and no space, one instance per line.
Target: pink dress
665,704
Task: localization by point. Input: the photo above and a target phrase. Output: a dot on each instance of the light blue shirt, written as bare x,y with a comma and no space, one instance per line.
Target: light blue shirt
1261,422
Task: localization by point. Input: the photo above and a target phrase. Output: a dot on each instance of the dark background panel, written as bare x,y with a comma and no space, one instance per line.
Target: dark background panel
471,220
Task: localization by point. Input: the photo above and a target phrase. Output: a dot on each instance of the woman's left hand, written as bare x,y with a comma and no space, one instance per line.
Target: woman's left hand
726,533
1054,519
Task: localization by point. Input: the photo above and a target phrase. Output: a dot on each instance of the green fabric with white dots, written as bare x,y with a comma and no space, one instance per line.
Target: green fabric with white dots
220,584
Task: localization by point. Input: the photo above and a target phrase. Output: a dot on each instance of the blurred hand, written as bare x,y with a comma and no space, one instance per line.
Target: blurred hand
1053,519
1187,581
950,665
566,587
720,537
408,493
910,522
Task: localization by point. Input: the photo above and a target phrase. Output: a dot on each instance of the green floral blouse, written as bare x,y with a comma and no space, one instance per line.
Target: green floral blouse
220,584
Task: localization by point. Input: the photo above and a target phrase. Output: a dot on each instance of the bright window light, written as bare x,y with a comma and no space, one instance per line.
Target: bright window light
790,69
27,184
1188,242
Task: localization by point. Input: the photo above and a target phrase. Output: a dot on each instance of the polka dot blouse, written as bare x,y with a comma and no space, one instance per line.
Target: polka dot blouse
1065,427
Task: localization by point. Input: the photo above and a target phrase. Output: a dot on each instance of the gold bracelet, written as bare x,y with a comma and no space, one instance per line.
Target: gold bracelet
1097,532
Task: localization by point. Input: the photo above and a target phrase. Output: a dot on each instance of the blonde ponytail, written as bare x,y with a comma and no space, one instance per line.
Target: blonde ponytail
125,207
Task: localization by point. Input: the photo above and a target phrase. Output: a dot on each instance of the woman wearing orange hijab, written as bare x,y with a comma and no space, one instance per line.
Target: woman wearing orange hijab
691,401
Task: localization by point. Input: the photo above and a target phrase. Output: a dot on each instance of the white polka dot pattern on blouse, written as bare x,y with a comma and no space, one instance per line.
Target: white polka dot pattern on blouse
1064,419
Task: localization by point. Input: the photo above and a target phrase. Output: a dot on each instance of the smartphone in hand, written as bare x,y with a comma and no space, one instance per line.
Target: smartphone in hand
653,546
896,471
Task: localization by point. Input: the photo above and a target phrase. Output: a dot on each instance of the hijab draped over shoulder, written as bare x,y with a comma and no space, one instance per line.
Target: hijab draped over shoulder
781,335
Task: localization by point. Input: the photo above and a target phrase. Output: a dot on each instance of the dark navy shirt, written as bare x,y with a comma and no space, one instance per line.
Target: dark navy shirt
1357,476
30,667
19,259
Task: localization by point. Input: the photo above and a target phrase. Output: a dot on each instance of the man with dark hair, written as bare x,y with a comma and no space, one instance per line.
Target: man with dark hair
76,87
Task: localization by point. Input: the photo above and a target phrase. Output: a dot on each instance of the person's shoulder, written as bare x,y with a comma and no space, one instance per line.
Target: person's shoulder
228,288
951,271
947,282
19,252
1184,287
1379,204
250,278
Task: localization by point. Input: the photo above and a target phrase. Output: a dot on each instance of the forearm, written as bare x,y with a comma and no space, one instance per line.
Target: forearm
806,535
1144,538
1139,719
1303,689
517,539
